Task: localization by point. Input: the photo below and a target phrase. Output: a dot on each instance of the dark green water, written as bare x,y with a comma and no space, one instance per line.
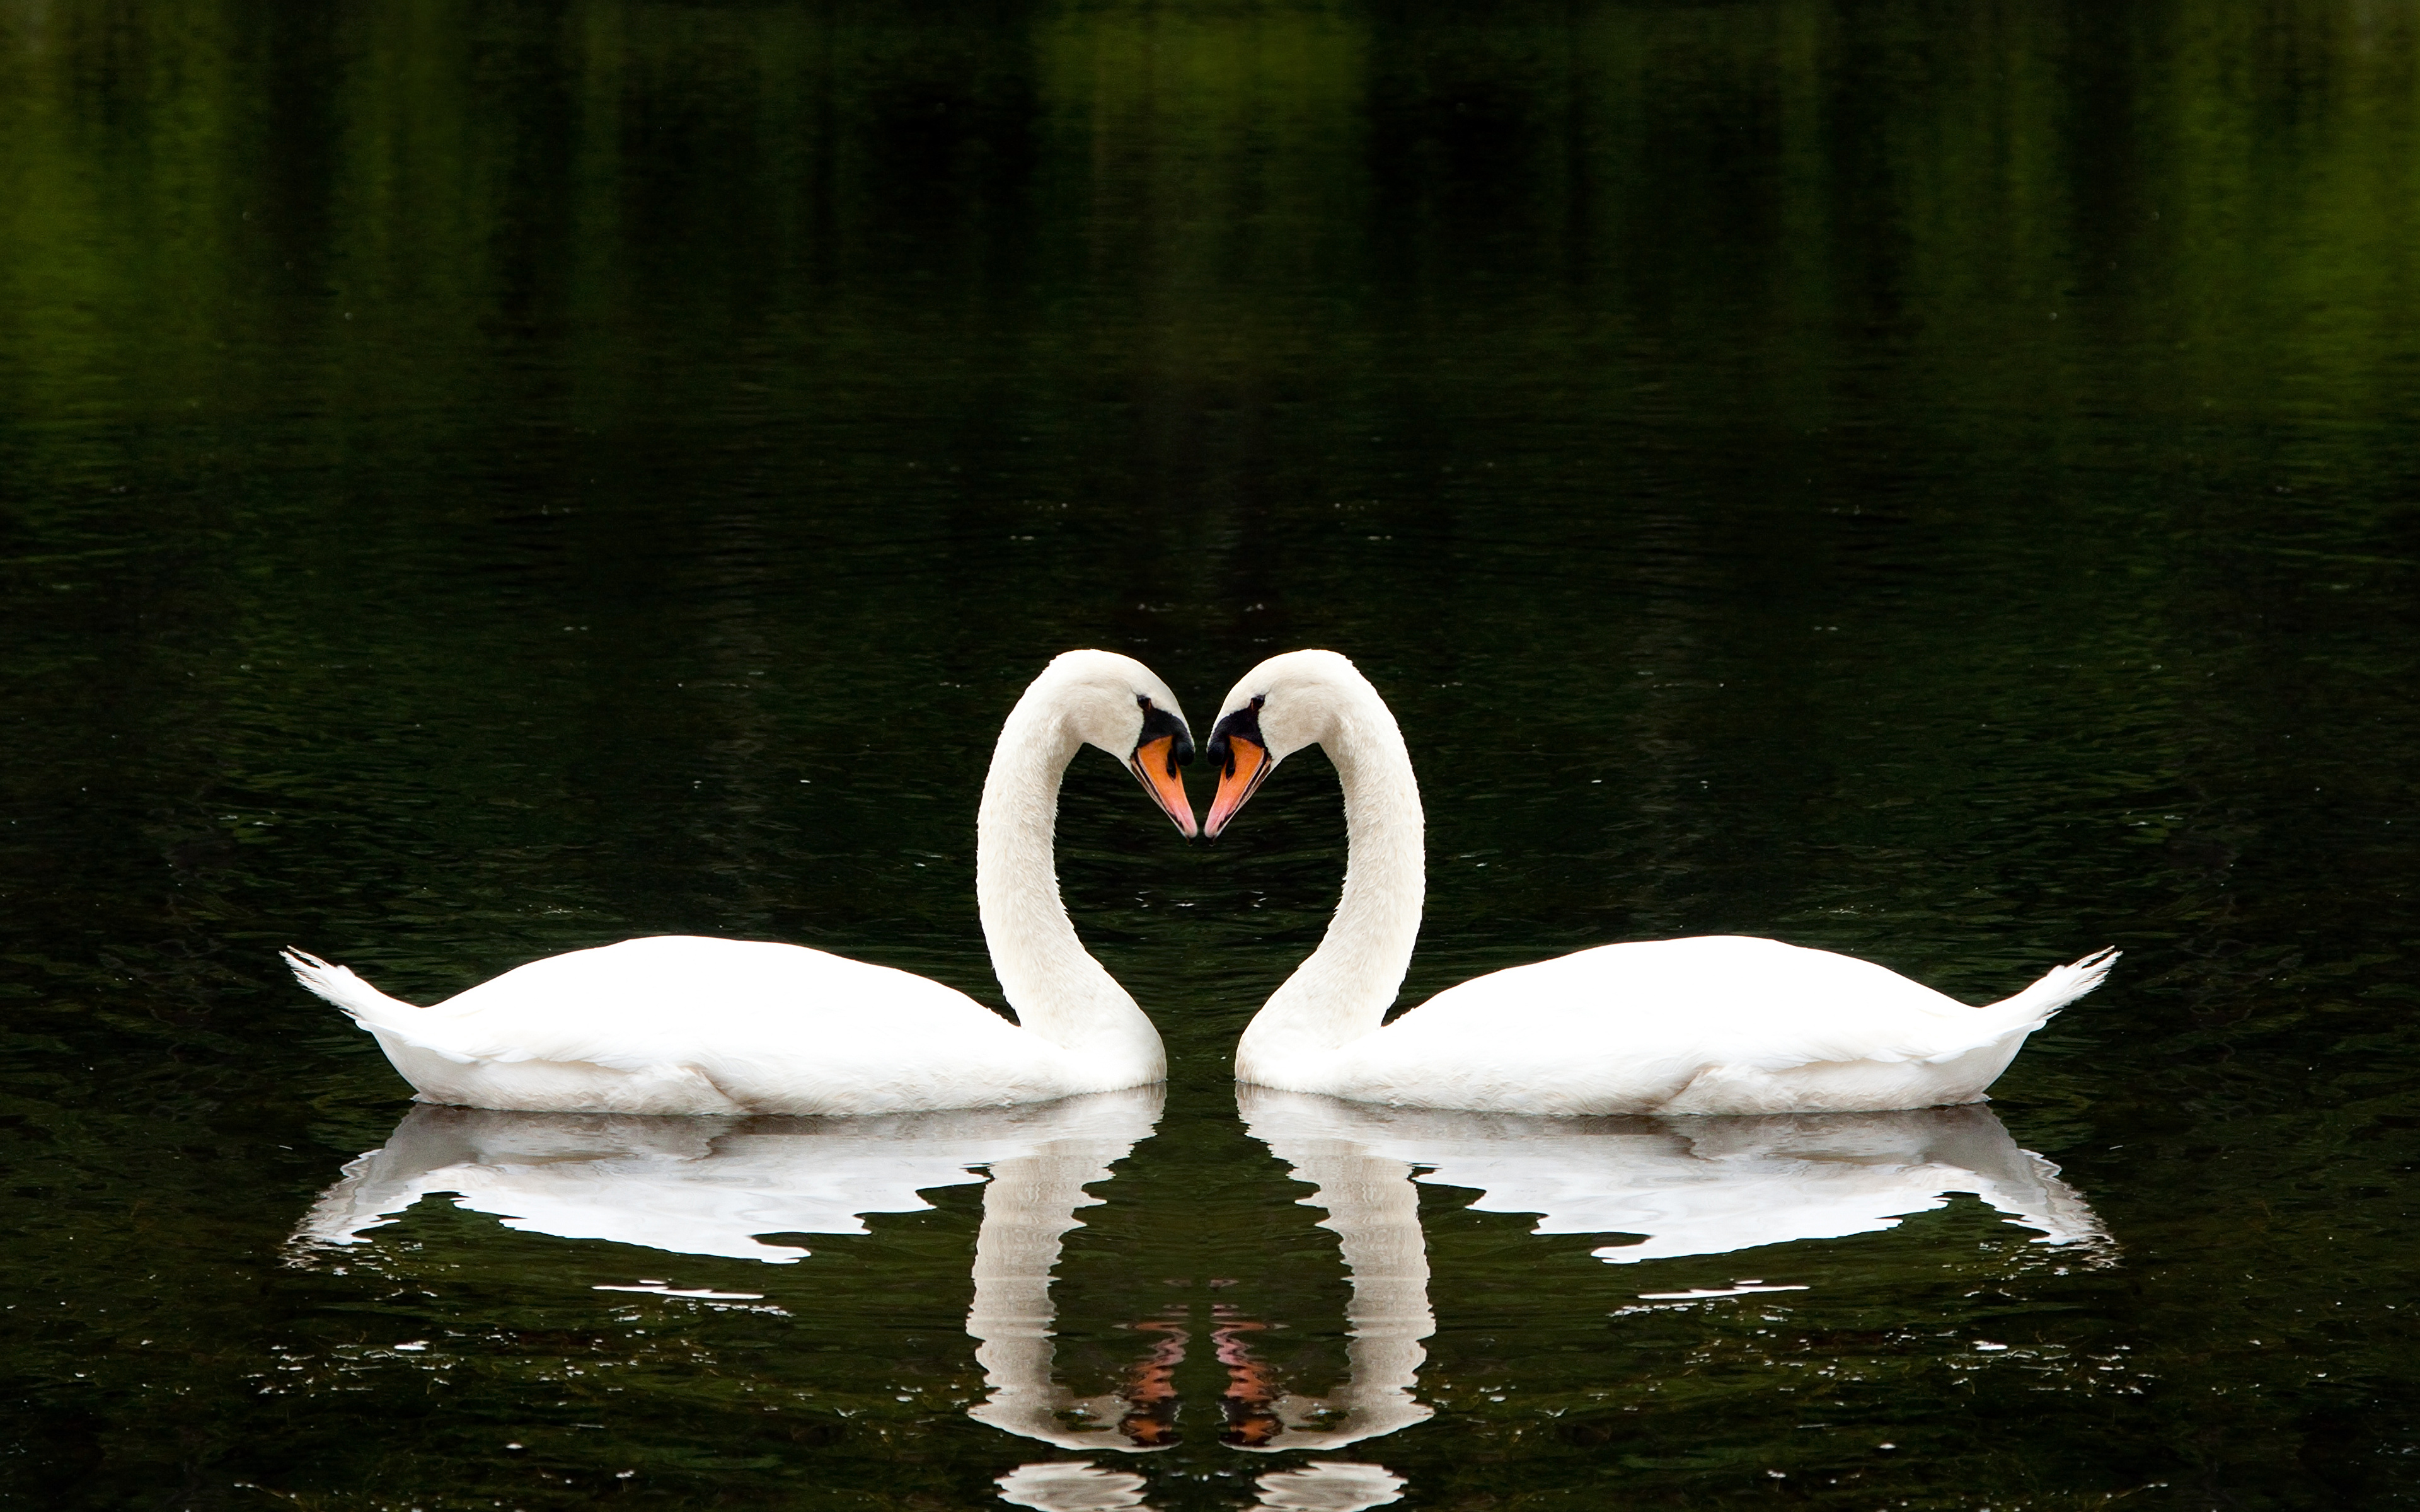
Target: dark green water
1934,482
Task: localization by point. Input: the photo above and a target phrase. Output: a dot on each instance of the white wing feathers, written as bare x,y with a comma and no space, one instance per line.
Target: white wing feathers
1961,1031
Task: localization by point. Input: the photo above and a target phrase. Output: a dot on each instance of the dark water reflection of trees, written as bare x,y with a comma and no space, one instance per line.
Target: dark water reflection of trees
1931,481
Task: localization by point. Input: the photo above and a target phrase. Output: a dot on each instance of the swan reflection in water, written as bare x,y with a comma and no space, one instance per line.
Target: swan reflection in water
1692,1185
713,1185
1689,1186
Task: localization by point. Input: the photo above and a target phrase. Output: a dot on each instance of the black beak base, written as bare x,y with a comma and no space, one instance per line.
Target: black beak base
1245,723
1158,724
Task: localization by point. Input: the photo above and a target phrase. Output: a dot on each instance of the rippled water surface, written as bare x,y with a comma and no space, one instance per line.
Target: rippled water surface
1933,482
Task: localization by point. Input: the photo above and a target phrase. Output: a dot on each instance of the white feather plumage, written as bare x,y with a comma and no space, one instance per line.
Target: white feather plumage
1715,1023
685,1025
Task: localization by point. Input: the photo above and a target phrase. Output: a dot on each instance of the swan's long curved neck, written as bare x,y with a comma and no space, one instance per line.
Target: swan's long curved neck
1058,990
1342,991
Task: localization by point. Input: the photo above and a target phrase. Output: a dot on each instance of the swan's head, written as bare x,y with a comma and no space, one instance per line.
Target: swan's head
1282,706
1121,705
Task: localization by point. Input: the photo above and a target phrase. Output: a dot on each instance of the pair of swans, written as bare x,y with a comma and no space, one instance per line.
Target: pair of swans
1719,1023
1687,1191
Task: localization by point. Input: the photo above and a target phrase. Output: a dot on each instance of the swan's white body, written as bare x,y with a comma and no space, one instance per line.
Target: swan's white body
681,1025
1718,1023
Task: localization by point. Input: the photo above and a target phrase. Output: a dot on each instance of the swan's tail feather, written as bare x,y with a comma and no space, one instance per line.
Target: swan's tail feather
371,1009
2059,987
2030,1009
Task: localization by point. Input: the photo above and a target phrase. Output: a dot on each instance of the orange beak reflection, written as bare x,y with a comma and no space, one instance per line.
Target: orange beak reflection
1247,762
1155,766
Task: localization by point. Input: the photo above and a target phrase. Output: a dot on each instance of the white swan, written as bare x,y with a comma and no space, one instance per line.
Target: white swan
681,1025
1716,1024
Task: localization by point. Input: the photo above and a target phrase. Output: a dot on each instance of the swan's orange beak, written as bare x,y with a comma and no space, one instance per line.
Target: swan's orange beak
1154,765
1247,763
